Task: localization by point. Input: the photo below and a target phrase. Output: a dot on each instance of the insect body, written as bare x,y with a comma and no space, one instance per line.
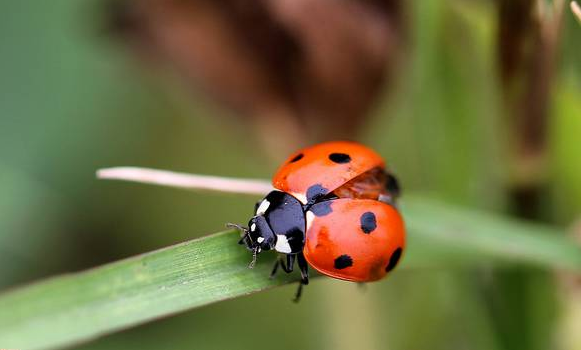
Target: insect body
333,208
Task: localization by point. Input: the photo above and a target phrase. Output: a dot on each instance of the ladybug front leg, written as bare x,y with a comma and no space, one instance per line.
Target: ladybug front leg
304,267
288,267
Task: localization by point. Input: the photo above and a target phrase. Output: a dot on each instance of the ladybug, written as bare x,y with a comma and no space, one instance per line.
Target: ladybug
333,208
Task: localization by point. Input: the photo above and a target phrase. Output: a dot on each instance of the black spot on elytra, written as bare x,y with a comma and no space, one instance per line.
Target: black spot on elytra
297,158
392,185
368,222
343,261
393,260
322,208
316,192
340,158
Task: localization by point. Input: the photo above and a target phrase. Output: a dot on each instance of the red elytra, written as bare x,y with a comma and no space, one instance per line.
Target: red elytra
314,166
358,240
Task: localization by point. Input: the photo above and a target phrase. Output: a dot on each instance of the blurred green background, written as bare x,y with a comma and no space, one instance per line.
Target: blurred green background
73,100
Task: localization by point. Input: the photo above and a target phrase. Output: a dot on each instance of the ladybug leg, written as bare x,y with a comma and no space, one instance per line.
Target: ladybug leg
274,268
290,263
298,293
288,267
304,267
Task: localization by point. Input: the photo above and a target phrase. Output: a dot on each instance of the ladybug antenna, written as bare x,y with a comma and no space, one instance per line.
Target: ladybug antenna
241,228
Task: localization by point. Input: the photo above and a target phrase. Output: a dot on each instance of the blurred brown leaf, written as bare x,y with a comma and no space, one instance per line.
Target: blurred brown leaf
301,70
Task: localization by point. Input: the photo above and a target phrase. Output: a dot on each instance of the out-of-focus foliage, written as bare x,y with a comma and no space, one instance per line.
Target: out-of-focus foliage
73,100
300,70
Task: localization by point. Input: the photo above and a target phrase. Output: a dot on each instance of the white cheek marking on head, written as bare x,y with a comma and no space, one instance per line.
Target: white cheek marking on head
262,207
301,197
260,239
282,245
310,218
253,227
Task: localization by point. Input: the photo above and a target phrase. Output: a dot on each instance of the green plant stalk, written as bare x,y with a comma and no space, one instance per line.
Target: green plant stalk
78,307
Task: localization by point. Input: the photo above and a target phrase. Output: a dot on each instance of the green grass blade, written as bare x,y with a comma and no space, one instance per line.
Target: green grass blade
449,233
78,307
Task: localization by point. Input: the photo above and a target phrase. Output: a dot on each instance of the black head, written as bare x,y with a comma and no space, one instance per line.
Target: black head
257,237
